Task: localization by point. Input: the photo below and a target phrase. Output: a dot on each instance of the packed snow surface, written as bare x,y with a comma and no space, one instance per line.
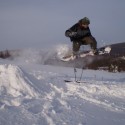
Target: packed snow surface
35,94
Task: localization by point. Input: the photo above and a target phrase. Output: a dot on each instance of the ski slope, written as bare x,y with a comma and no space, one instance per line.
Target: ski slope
32,93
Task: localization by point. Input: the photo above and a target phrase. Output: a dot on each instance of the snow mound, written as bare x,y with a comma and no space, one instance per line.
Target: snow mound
13,82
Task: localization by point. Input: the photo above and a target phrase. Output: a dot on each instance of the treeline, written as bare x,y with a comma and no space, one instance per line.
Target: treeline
4,54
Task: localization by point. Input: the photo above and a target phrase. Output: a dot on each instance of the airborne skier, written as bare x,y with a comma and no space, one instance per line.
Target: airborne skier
80,34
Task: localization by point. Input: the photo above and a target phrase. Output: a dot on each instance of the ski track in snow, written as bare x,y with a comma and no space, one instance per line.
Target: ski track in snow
39,96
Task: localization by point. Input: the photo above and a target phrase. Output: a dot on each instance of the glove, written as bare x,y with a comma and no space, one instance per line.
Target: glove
70,34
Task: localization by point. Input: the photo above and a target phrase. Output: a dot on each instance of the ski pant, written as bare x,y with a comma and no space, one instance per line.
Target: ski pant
90,40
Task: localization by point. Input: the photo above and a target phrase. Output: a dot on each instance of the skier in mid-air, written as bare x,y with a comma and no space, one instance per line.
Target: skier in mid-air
80,34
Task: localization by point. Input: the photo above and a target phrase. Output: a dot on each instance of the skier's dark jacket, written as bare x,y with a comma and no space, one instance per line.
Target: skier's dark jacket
80,32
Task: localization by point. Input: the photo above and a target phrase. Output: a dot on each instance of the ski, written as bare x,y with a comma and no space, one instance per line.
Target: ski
74,81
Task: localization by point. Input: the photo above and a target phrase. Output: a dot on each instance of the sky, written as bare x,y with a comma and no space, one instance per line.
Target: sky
42,23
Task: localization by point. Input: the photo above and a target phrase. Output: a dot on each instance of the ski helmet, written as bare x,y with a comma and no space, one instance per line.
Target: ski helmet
85,20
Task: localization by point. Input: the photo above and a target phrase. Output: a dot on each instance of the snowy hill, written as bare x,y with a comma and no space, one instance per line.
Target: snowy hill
32,93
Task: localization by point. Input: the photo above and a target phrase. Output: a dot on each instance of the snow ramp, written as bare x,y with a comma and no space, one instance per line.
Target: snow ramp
14,83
